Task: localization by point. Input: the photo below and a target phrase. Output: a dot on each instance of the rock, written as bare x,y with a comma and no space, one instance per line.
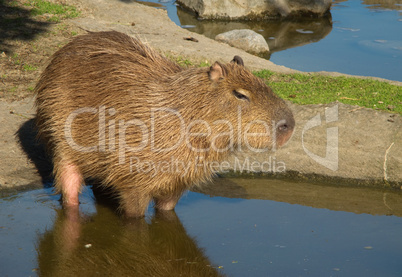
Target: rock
256,9
346,144
247,40
282,34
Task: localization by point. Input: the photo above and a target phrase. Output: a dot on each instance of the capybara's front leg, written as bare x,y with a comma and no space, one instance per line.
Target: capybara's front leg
133,202
167,202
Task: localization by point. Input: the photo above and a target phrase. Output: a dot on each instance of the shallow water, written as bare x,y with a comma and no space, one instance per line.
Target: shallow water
359,38
322,233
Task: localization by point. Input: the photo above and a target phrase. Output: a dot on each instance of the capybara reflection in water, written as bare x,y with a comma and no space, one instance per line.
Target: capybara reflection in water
112,109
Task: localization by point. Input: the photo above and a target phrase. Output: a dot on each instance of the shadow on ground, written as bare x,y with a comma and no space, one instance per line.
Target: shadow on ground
17,23
35,150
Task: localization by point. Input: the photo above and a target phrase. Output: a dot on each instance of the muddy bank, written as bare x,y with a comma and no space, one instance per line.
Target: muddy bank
368,142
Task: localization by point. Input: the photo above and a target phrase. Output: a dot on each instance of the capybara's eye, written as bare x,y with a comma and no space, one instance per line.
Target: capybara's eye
240,95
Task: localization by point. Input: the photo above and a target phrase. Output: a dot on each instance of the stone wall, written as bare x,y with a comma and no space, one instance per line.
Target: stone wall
256,9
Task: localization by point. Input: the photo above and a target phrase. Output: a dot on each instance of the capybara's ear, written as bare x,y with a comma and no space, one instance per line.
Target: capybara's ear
216,72
238,60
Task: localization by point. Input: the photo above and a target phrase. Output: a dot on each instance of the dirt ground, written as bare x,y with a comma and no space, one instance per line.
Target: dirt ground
27,42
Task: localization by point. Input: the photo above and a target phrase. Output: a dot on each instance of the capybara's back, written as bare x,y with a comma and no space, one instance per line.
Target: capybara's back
111,109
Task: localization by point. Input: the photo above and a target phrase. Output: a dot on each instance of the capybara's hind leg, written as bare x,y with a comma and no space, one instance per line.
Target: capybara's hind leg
68,182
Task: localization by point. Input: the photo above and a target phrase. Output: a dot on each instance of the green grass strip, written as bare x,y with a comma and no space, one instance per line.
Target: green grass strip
40,7
319,89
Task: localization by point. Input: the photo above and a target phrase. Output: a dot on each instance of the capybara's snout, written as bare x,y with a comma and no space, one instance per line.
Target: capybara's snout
284,126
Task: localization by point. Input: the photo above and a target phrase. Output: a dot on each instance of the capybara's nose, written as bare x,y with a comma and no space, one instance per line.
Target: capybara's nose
284,127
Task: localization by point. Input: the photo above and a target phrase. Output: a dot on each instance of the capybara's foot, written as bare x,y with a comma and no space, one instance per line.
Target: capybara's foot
167,203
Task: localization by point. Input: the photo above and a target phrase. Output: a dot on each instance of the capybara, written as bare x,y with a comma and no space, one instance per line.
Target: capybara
111,109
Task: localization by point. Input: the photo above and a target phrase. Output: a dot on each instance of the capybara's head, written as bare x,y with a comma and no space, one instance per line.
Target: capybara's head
242,106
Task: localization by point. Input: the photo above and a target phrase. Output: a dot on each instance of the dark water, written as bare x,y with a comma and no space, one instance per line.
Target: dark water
359,38
272,228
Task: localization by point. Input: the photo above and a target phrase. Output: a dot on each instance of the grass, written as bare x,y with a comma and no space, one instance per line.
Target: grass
13,89
184,62
320,89
181,61
56,12
204,63
16,59
29,67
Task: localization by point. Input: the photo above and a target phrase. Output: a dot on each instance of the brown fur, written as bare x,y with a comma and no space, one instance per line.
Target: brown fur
128,79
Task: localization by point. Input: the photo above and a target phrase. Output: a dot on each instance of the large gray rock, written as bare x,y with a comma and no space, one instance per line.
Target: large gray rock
254,9
247,40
